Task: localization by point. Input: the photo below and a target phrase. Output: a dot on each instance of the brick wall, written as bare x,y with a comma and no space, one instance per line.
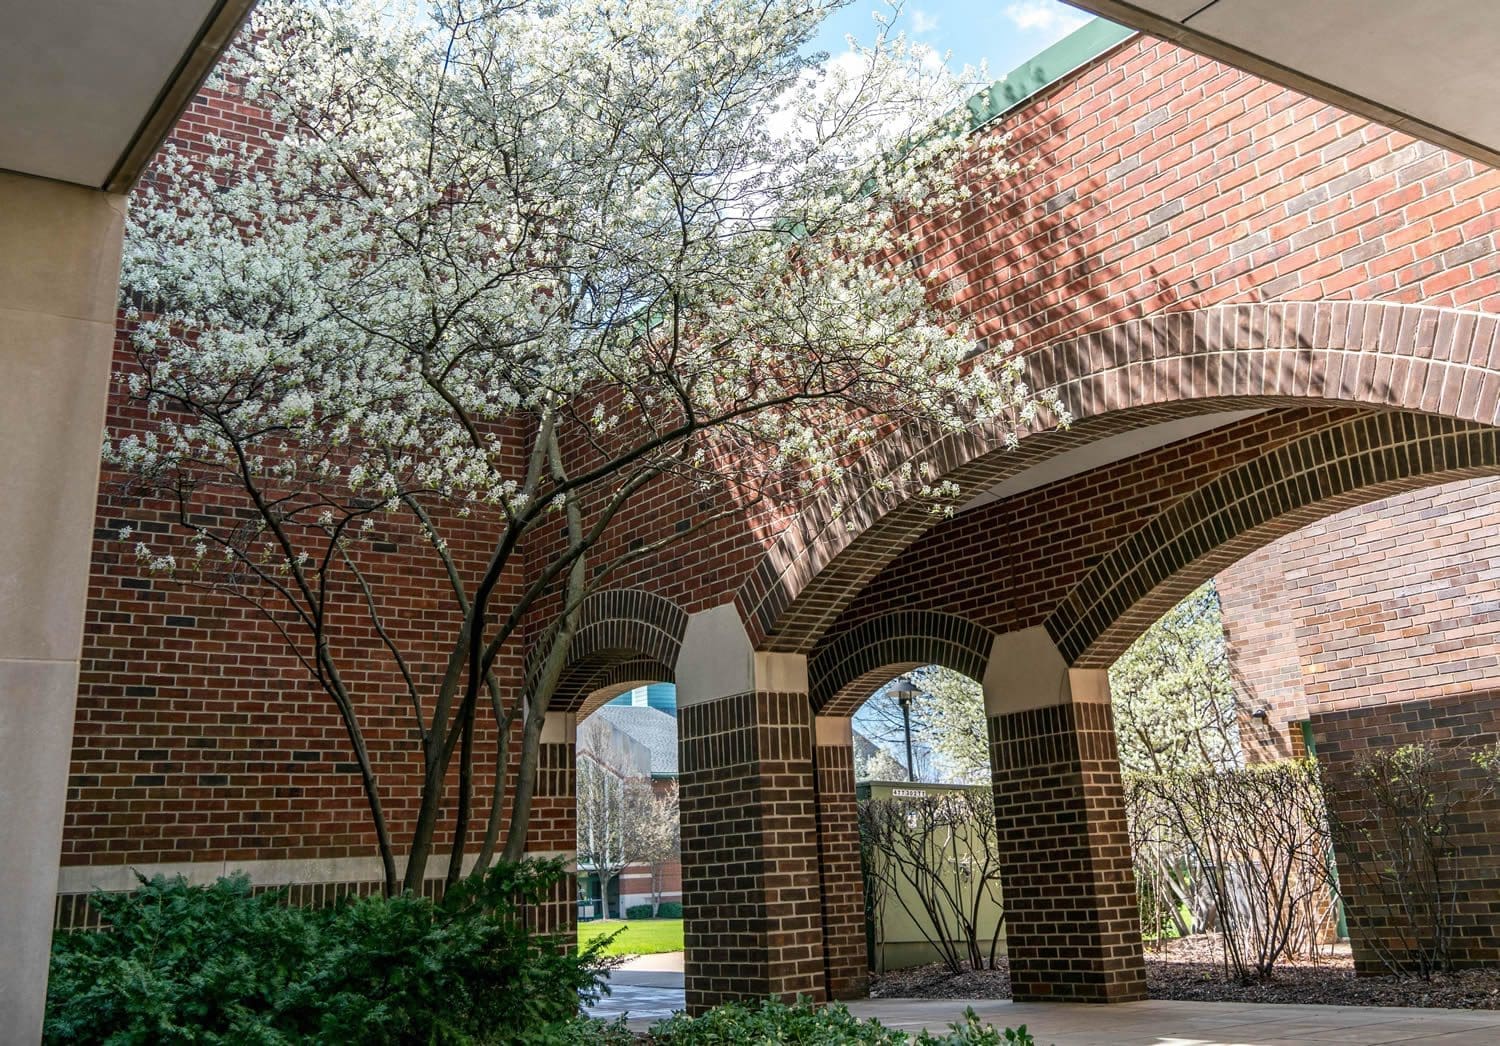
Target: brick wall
841,882
1388,602
1376,909
635,883
1265,665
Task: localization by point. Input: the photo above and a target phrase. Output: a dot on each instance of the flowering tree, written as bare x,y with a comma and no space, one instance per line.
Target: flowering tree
874,763
1173,695
653,829
501,271
951,707
605,790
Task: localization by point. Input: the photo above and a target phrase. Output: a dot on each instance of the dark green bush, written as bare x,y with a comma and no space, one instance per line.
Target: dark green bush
665,910
584,1031
735,1024
218,964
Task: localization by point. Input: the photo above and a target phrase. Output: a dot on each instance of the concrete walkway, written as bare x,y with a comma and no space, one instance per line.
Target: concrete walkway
649,988
644,988
1158,1022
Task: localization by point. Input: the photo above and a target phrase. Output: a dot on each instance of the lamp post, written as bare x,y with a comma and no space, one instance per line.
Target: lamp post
904,691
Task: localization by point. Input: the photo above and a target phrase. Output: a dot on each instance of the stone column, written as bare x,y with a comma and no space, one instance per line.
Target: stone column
1072,926
59,273
846,962
750,886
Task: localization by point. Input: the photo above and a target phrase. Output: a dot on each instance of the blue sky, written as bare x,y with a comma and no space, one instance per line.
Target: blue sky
1003,32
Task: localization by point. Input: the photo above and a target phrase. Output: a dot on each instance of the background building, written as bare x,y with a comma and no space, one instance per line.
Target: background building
645,721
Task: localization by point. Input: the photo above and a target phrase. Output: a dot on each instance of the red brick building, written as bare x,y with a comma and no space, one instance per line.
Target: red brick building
1260,310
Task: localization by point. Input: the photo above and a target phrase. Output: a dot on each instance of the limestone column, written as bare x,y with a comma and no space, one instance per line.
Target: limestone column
1072,926
59,273
846,962
750,884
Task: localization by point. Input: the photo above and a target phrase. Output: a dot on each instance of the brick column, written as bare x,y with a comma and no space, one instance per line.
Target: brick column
1071,918
752,917
846,962
553,829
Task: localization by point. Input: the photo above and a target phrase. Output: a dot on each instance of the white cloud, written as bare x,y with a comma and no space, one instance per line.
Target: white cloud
1045,17
922,22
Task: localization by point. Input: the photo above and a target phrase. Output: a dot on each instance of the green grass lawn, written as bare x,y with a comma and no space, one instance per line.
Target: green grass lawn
637,936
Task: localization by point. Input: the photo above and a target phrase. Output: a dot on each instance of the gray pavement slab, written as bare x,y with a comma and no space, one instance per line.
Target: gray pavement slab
644,996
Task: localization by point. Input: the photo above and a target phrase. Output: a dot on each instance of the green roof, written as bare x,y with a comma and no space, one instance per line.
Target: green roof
1051,66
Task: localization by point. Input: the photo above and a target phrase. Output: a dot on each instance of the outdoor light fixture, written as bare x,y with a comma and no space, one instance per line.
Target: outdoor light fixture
1261,714
903,691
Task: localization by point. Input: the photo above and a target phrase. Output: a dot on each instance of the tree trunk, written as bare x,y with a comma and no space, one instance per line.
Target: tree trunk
465,797
604,881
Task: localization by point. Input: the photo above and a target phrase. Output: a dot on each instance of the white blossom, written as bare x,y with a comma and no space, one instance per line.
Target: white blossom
624,238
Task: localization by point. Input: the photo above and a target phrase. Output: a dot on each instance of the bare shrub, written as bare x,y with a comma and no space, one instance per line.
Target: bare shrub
1398,818
936,856
1244,851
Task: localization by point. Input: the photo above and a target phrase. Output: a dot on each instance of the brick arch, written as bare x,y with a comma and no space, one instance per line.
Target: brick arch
1416,358
844,671
1363,459
613,680
624,637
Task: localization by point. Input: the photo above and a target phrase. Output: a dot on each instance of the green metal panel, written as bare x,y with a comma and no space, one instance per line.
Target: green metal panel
1310,747
1053,65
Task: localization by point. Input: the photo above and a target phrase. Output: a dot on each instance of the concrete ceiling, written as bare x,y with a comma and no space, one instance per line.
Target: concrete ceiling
1426,67
90,87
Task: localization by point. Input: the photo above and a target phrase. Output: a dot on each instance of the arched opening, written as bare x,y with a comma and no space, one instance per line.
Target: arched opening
628,853
929,852
608,766
1054,713
1037,586
627,841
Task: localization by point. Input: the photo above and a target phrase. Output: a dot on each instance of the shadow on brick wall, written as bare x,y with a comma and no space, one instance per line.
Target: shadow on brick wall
1391,916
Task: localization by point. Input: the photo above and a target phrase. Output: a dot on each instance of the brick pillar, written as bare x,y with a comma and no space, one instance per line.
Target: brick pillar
1072,925
750,888
846,961
553,829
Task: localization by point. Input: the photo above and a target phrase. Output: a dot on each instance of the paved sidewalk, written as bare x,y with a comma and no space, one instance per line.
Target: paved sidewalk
1158,1022
644,988
649,988
664,962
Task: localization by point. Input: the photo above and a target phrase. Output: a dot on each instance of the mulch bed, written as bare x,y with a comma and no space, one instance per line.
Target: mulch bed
1192,970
